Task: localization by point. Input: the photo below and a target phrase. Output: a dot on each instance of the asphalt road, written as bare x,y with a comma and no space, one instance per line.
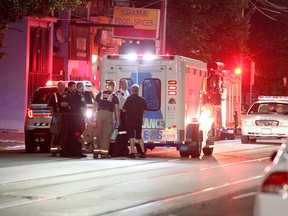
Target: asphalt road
162,184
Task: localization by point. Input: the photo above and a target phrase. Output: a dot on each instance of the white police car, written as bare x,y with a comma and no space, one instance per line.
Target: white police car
38,117
266,118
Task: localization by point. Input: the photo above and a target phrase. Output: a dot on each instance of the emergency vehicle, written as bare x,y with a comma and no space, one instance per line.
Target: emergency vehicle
267,118
181,112
38,117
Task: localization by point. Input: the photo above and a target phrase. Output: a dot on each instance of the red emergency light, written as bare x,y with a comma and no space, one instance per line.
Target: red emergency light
30,113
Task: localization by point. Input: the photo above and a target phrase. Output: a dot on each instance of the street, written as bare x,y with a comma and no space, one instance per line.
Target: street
162,184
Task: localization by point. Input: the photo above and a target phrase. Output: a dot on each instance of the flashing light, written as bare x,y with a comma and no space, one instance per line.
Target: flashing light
131,57
49,83
275,98
238,71
172,93
172,82
149,57
89,113
172,87
30,113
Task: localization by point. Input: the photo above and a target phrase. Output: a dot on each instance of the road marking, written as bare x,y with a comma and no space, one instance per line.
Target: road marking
244,195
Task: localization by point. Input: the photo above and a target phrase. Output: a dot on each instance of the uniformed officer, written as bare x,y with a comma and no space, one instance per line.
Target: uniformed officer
56,112
77,106
106,102
65,137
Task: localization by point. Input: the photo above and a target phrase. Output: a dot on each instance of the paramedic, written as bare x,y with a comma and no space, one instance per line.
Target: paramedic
56,112
135,106
122,95
106,102
77,120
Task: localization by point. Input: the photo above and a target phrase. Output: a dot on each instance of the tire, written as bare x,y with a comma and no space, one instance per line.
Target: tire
253,140
30,145
230,136
244,139
184,154
216,135
208,151
197,152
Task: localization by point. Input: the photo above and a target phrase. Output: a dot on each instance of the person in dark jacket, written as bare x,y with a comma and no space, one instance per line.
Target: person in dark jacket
76,126
65,137
135,106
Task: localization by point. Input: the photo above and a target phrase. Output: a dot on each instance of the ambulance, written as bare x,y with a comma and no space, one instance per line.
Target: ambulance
174,87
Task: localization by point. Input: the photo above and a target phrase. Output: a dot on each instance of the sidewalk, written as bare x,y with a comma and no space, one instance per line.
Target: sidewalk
12,137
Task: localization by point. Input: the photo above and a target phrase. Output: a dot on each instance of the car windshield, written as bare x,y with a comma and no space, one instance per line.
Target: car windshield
269,107
43,95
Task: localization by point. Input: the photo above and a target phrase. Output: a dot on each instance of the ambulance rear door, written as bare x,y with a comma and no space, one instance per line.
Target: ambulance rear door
151,79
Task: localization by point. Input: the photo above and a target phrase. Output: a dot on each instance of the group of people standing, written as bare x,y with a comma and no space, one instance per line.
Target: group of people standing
128,112
112,110
68,110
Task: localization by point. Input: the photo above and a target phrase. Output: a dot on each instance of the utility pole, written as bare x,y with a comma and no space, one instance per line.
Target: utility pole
163,26
252,72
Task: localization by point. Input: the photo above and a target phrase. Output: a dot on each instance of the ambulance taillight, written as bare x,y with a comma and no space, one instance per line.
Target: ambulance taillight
30,113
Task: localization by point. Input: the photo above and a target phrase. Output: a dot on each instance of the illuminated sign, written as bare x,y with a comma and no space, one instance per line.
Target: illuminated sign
145,22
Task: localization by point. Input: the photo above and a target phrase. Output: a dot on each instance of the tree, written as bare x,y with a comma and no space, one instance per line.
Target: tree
269,46
207,30
15,10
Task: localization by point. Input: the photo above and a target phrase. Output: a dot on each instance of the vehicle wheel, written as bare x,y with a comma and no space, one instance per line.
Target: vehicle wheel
208,151
197,151
184,154
222,136
244,139
216,135
30,145
231,137
252,140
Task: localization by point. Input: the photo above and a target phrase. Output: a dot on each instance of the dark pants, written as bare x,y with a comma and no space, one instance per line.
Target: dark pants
75,127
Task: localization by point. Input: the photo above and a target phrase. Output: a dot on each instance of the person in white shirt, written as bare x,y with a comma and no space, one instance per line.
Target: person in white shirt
122,95
123,92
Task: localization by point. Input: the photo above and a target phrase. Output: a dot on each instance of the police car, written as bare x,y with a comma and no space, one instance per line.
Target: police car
266,118
38,117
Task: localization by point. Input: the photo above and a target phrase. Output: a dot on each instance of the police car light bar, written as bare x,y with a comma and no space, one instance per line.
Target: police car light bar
272,98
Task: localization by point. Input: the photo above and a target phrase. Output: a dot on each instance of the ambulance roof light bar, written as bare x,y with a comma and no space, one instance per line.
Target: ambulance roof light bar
134,57
272,98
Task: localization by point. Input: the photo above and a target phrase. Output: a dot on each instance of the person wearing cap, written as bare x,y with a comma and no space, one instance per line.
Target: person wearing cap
135,106
106,103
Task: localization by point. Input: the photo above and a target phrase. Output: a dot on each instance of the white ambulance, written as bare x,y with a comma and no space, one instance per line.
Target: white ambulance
171,86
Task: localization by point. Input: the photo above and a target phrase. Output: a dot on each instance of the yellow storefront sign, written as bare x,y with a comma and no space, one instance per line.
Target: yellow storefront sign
139,17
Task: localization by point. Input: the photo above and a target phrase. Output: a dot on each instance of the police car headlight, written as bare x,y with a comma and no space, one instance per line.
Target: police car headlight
283,124
247,123
89,113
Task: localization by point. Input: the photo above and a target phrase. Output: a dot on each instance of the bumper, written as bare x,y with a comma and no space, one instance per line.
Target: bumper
256,131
